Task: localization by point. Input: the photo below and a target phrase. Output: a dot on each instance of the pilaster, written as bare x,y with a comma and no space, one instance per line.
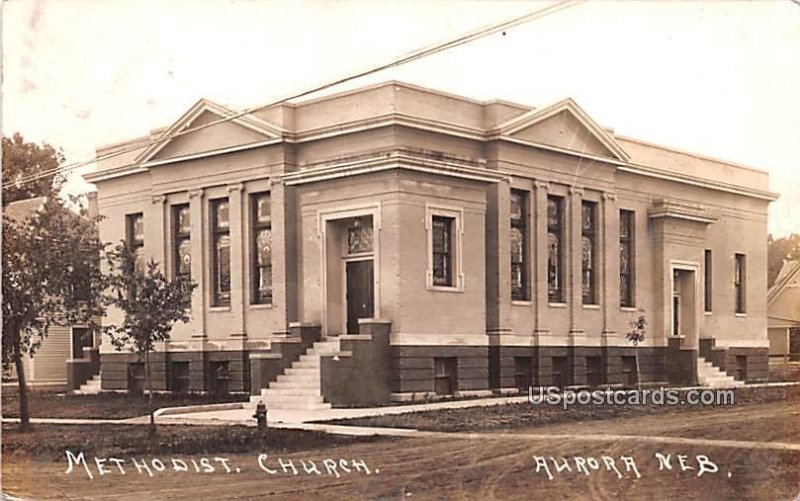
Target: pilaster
156,237
199,236
238,292
539,257
573,269
609,228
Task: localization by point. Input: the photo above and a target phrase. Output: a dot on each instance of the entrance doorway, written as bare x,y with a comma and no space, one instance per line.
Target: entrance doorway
684,305
360,292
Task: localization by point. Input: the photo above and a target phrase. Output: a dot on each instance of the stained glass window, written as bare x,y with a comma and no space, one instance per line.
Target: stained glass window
139,261
519,245
708,280
588,254
442,244
627,268
739,275
221,262
262,249
181,222
135,240
359,237
555,254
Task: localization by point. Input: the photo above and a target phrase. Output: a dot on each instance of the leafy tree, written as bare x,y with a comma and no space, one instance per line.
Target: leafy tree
636,336
151,302
778,250
51,276
22,161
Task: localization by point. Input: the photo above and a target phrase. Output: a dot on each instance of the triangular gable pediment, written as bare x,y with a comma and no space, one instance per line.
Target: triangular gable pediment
564,125
788,279
209,136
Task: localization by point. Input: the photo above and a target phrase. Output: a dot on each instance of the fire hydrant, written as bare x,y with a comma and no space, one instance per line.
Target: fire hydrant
261,415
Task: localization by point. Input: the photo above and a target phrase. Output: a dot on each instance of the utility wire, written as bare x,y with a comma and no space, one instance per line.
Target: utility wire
409,57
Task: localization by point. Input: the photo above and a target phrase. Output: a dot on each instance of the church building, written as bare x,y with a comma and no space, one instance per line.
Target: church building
397,243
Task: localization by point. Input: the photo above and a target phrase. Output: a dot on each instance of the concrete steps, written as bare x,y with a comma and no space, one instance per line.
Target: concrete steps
708,375
91,387
299,386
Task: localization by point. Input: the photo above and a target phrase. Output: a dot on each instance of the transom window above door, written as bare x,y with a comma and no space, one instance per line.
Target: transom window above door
359,235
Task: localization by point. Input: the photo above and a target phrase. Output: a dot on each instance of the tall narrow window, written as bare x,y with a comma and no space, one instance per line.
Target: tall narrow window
520,290
181,241
627,258
589,252
740,283
707,275
442,248
221,252
135,239
555,249
262,249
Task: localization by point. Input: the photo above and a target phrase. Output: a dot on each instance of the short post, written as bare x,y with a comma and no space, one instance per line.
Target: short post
261,415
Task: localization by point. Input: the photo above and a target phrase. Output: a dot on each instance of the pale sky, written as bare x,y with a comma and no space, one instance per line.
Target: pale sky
717,78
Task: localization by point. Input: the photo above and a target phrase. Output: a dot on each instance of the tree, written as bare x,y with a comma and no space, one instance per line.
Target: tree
778,250
151,303
636,336
51,276
21,162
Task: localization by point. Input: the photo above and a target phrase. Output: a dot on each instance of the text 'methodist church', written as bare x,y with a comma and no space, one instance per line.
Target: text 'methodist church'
399,243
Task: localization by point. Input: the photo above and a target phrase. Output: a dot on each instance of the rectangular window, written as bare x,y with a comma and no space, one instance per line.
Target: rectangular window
221,252
627,258
134,238
261,217
560,372
181,241
442,250
555,249
218,377
594,372
589,252
136,377
445,380
520,290
739,282
707,276
629,377
179,377
523,373
81,338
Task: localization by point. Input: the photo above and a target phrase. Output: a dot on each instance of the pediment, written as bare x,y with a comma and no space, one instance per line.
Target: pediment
216,127
564,125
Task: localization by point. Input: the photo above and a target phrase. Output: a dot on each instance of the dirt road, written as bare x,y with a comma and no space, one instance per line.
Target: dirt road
491,466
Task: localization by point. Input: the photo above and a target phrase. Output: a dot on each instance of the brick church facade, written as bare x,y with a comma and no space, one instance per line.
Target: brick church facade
398,243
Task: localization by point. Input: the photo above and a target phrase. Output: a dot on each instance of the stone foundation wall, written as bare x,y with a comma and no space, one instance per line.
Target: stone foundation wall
412,368
581,366
755,368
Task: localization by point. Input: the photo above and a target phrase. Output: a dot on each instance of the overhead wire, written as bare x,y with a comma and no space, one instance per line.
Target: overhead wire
407,58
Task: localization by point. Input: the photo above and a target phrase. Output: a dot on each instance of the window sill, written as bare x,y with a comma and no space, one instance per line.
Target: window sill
442,288
741,315
627,308
707,313
591,306
220,308
557,305
521,302
259,306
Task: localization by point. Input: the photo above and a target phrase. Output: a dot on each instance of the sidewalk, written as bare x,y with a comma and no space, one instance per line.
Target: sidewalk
299,416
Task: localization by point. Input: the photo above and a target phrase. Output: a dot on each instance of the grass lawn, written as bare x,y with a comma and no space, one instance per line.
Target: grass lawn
525,415
48,442
104,405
